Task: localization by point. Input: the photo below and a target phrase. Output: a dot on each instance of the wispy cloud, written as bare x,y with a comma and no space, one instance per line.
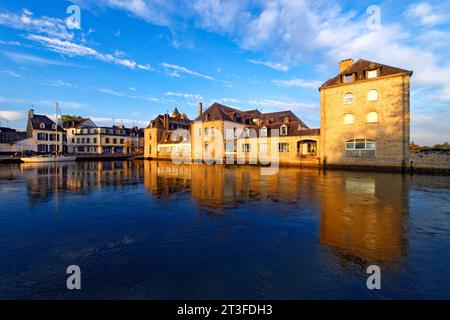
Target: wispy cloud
298,83
11,74
28,22
198,97
283,104
179,69
71,49
272,65
24,58
424,14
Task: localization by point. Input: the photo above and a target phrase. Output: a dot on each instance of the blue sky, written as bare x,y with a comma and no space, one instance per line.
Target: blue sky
134,59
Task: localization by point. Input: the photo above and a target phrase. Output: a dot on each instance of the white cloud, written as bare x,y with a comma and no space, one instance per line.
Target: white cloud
423,13
105,121
11,74
31,59
70,48
185,95
282,104
177,69
132,88
272,65
298,83
26,21
11,115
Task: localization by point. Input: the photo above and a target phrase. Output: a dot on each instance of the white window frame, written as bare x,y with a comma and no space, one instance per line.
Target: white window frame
372,113
349,118
347,96
263,131
372,95
370,74
284,129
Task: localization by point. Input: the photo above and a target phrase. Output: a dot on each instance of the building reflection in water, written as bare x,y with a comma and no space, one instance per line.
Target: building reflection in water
362,215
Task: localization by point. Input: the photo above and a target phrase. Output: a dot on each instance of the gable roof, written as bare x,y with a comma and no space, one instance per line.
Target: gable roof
360,67
39,119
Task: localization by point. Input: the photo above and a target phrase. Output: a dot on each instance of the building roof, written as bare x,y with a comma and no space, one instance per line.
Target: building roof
158,122
171,137
294,128
38,119
219,111
360,67
74,123
8,135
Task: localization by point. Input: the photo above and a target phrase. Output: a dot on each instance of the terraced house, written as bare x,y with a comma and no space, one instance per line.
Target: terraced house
85,137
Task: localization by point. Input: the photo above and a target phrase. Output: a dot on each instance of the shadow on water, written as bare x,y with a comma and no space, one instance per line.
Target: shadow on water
196,231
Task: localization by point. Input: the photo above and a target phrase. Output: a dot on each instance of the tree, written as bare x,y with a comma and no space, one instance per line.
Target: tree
67,117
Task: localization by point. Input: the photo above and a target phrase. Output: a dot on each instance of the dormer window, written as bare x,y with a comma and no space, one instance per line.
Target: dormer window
42,125
283,130
263,132
206,117
347,78
372,74
286,119
54,126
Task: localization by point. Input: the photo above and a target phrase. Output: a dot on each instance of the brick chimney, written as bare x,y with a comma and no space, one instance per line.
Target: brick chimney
200,108
344,64
30,114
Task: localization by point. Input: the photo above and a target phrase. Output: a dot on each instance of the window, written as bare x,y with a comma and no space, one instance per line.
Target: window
234,132
41,137
263,148
263,132
372,95
360,148
246,147
106,140
213,131
283,130
348,118
73,140
115,141
206,131
82,140
348,98
372,117
78,140
200,131
283,147
246,132
121,141
347,78
286,119
42,126
88,140
372,74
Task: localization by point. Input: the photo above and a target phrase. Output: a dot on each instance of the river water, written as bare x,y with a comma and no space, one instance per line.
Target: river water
156,230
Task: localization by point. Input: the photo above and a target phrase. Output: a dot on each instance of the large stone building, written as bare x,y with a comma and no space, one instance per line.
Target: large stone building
365,115
364,122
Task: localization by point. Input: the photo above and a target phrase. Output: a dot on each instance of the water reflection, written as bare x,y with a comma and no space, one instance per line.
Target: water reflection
362,215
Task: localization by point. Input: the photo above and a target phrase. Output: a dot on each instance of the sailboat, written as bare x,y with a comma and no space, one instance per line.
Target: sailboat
51,157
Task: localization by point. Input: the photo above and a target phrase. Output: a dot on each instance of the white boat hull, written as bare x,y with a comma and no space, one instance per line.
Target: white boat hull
48,159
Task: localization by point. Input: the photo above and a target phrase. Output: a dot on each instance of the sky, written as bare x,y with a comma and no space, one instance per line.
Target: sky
131,60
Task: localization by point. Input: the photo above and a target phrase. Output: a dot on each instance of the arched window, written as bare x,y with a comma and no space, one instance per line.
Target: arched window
263,132
206,131
372,117
372,95
42,125
348,98
54,126
348,118
283,130
360,148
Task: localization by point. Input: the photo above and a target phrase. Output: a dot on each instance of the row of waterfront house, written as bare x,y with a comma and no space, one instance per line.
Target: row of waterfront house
364,121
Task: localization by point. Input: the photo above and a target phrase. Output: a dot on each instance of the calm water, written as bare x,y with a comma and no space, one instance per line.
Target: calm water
150,229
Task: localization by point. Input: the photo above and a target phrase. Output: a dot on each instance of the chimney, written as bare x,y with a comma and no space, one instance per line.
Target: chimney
200,108
30,114
166,121
344,64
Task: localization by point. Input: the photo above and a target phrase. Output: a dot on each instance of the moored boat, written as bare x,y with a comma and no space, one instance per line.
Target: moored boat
48,158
